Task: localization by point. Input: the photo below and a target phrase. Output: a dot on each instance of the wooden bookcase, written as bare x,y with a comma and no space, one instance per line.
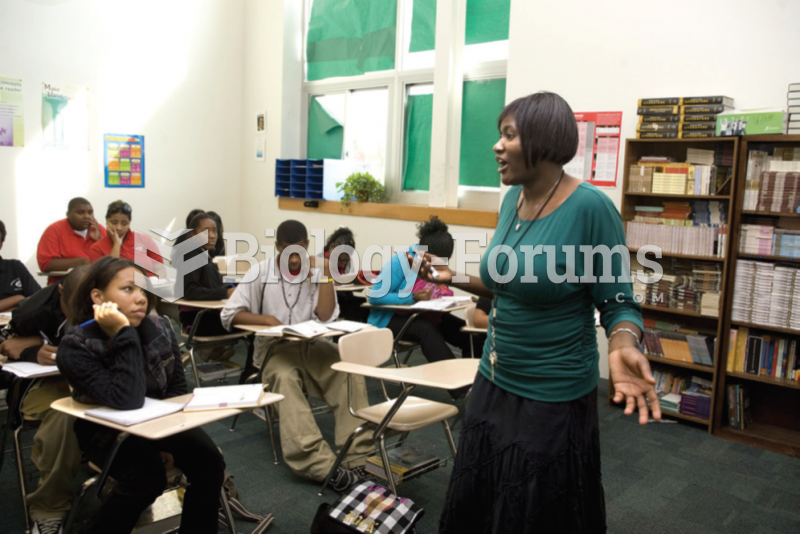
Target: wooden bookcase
775,403
677,148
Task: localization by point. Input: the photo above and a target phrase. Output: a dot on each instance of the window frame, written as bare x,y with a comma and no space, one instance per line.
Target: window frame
396,81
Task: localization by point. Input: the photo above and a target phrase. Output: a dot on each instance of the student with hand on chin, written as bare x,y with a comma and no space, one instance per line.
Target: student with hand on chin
66,243
16,282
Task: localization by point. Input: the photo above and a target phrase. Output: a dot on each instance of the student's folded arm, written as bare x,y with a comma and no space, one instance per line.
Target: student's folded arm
195,288
115,379
9,302
29,354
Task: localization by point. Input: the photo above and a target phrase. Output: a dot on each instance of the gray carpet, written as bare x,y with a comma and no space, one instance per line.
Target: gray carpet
660,478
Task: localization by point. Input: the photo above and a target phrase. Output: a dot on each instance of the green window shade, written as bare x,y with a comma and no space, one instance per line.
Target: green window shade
487,21
325,134
417,143
482,103
350,37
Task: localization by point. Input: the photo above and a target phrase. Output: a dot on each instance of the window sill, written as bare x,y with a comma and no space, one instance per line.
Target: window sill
403,212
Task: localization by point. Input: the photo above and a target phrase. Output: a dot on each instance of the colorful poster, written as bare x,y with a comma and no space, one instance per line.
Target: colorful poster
124,160
65,116
12,124
598,148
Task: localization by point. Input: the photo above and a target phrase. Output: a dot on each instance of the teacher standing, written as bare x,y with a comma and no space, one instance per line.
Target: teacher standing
529,451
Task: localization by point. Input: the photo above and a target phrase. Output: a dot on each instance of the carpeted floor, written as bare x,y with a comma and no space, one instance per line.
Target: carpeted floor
661,478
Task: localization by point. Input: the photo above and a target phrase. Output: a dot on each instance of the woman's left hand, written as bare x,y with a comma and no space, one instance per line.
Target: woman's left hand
633,382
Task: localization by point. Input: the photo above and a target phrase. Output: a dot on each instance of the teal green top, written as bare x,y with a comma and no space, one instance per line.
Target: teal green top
545,336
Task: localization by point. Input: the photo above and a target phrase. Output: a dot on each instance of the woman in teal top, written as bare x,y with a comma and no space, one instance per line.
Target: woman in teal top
529,451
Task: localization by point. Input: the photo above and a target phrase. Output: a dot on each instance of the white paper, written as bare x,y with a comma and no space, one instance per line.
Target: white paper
5,315
29,369
152,409
348,326
458,299
436,305
307,329
221,397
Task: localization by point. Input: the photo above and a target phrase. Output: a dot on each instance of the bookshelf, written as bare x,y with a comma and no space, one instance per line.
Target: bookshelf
690,319
775,402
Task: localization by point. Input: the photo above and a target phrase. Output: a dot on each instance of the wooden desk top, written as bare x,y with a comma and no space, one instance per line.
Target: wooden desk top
474,330
161,427
445,374
202,304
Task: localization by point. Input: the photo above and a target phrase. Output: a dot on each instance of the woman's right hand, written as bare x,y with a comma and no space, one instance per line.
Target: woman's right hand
445,275
423,294
115,238
110,319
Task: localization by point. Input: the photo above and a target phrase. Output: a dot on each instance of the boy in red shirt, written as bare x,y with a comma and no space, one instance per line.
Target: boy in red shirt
65,244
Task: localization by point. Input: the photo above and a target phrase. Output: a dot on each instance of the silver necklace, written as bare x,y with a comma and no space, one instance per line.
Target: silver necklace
286,301
544,201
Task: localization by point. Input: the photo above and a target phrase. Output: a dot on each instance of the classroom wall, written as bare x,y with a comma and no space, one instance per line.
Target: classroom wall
170,70
604,56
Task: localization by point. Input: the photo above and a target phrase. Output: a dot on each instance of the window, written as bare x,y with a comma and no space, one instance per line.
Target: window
374,98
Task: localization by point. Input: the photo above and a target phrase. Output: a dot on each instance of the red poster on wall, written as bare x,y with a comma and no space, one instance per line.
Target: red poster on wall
598,148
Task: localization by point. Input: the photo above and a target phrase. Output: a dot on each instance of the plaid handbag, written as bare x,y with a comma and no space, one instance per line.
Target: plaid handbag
373,509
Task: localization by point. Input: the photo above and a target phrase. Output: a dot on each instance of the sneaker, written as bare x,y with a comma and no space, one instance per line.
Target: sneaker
344,479
53,525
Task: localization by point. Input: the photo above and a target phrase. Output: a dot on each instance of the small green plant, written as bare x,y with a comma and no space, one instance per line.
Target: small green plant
361,187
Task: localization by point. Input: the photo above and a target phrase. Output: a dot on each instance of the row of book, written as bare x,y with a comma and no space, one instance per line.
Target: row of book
772,181
684,394
680,117
738,407
708,241
793,107
705,172
689,285
767,294
763,355
677,346
766,240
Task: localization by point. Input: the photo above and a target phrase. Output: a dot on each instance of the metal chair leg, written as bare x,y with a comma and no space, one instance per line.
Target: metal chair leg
340,457
386,465
449,436
73,512
21,475
226,507
197,383
271,430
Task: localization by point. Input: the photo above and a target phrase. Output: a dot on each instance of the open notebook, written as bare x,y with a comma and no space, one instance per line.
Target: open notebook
29,369
223,397
308,329
152,409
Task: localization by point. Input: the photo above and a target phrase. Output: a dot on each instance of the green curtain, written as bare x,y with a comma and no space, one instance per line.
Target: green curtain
487,21
417,143
482,103
325,134
350,37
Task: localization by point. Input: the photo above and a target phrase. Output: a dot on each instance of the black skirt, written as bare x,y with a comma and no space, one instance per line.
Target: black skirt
526,466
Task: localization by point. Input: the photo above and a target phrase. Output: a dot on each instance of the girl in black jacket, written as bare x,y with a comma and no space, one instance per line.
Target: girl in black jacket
118,360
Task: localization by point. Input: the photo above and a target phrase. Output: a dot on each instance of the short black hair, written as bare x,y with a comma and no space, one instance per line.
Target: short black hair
435,236
100,274
191,215
546,126
119,206
77,201
342,236
3,233
291,232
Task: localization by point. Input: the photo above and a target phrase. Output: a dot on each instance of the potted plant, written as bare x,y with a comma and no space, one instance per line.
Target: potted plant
361,187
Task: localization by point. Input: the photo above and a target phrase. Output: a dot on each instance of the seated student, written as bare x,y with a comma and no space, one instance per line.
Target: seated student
16,282
122,357
38,326
296,367
219,249
432,331
65,244
350,306
205,284
121,240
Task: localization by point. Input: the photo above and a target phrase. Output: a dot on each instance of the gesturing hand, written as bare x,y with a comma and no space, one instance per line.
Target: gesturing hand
110,319
431,263
633,382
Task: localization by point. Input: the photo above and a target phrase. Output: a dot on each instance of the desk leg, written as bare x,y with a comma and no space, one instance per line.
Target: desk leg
399,337
226,507
190,345
104,474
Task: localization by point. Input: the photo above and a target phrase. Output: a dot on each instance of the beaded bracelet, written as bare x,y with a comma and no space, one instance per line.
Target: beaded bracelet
634,334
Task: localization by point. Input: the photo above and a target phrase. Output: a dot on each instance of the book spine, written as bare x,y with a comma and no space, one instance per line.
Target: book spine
697,135
659,110
700,117
699,125
658,127
704,109
732,405
698,100
659,118
656,135
649,102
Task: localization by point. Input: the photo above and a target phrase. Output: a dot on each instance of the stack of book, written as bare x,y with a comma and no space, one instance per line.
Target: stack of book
694,229
669,402
724,154
774,177
640,179
699,156
680,118
781,295
757,161
793,107
778,192
707,280
696,400
676,346
738,407
768,294
756,239
763,355
404,462
786,243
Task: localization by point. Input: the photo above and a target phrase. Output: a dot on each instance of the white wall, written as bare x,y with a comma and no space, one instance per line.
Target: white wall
170,70
600,56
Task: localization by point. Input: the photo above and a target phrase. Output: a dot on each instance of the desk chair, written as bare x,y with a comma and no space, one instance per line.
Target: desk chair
404,414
